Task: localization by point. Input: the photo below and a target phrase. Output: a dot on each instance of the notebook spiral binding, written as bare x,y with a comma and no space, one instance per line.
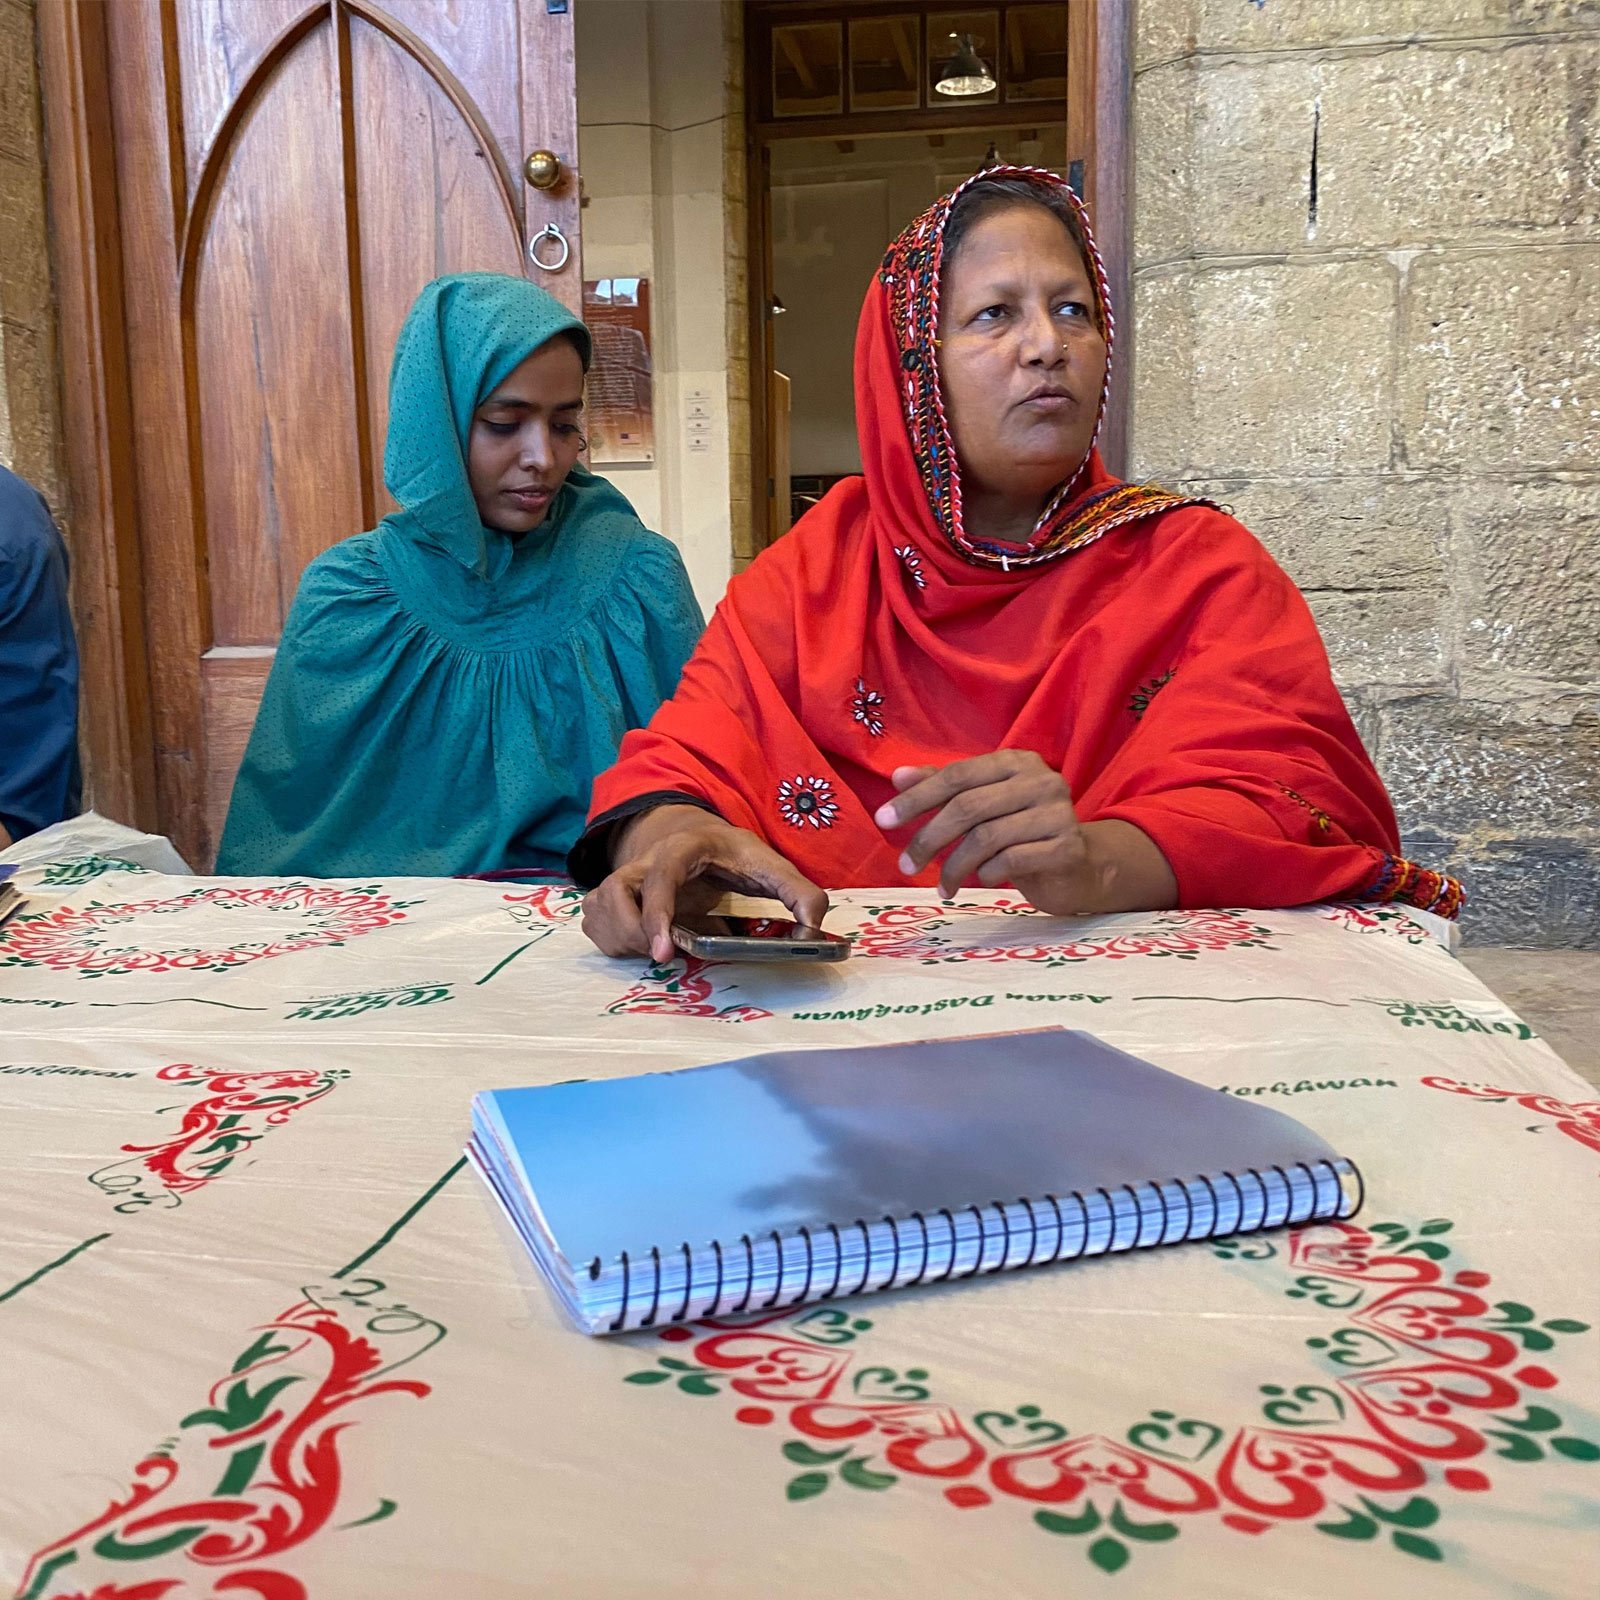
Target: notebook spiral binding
1002,1235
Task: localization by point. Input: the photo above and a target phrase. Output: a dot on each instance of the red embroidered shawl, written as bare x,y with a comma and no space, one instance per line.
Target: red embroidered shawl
1172,672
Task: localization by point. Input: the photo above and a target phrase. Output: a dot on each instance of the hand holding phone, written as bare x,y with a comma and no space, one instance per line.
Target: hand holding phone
675,863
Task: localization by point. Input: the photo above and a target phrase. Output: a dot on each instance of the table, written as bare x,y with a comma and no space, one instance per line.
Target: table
264,1336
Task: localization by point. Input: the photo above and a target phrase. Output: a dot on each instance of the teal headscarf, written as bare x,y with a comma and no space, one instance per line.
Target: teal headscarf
463,337
444,693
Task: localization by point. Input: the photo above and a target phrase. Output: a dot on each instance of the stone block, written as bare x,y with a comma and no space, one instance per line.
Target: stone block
24,252
1539,894
1367,714
1288,368
1163,29
19,83
7,443
1413,146
1164,155
1289,24
1254,123
1528,573
1433,145
1342,533
738,423
1461,769
28,375
738,337
1163,390
1386,638
1501,365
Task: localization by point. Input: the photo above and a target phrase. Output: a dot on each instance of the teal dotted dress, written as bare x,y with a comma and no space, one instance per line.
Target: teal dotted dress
444,694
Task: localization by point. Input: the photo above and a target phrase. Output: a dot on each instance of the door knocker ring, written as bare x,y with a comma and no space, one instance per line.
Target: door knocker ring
549,231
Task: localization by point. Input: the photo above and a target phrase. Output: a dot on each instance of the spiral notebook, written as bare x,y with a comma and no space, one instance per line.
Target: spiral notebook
11,899
808,1174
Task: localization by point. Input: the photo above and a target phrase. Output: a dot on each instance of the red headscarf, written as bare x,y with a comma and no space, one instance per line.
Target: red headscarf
1172,673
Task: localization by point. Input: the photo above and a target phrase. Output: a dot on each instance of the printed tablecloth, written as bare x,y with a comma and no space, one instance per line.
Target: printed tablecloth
264,1337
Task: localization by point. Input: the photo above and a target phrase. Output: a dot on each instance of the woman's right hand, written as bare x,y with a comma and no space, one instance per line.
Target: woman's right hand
679,861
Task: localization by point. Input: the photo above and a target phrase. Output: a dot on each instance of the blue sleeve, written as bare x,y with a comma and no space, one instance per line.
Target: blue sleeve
672,618
39,778
311,735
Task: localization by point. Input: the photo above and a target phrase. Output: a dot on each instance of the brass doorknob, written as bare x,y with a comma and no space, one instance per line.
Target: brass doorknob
543,169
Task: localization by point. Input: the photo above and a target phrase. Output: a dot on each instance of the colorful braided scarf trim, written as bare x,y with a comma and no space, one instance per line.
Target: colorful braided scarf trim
1402,882
1077,525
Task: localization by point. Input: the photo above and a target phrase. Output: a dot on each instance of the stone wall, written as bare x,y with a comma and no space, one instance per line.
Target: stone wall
1367,266
30,423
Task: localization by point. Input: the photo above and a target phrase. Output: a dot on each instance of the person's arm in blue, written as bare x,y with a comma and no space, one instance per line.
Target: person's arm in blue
39,777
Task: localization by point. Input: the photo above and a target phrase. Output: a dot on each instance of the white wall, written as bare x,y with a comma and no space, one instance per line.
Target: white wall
651,113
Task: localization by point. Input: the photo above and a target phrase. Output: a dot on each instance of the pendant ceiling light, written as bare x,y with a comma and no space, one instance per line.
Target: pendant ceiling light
966,74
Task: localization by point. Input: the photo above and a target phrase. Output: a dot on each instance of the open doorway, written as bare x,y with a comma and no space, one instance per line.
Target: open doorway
851,133
835,207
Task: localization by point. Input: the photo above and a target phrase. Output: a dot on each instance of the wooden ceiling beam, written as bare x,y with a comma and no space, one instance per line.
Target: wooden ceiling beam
903,47
1018,47
797,59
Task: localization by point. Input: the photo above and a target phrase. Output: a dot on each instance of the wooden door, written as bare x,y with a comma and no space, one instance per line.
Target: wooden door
287,176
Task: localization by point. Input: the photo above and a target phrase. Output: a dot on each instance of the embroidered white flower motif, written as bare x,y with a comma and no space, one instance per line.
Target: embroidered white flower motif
913,561
803,800
866,706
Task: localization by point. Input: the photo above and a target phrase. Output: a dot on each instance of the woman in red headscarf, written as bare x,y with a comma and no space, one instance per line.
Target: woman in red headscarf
988,660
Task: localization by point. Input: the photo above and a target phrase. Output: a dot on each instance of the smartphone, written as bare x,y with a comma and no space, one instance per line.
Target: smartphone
716,938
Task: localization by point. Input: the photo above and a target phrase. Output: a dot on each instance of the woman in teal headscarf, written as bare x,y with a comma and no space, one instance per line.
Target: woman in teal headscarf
448,685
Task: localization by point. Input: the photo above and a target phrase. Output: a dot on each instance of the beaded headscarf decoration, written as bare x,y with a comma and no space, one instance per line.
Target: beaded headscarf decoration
910,274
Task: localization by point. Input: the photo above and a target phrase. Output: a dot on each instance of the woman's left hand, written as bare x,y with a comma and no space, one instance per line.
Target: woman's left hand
1011,820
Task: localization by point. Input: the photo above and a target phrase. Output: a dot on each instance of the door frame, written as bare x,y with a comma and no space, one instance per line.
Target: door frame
1099,121
115,721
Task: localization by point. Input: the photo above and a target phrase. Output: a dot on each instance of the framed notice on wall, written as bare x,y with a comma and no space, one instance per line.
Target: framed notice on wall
620,414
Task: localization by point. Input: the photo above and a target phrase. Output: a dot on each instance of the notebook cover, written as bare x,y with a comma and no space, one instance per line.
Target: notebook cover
809,1137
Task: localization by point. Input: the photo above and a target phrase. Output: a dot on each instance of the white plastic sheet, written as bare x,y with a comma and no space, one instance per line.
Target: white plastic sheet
263,1336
